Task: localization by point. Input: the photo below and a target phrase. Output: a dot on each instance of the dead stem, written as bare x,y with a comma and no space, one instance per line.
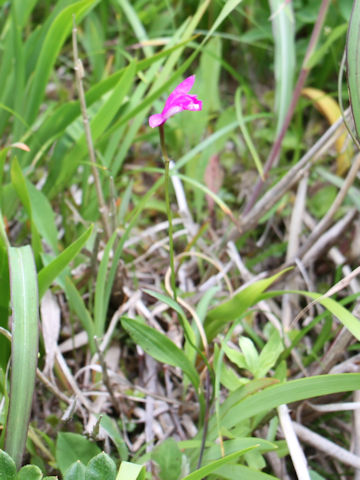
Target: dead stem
275,151
79,73
269,199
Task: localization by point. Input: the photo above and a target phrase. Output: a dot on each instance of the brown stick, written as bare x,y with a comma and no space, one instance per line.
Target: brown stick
79,73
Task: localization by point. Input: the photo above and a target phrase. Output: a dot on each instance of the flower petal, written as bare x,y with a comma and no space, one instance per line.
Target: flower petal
156,120
177,101
186,85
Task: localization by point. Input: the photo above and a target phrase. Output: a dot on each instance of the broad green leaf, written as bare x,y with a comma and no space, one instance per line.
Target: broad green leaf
7,466
76,471
24,348
100,467
232,309
29,472
160,347
71,447
49,273
169,458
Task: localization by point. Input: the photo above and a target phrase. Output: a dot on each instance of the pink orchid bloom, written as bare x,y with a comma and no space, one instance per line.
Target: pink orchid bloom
177,101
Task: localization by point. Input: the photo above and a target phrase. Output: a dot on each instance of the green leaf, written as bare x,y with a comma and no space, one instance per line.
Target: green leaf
99,123
43,216
239,407
283,28
230,446
169,458
77,304
112,429
76,471
334,36
71,447
346,318
29,472
55,37
177,308
131,471
228,7
24,348
232,309
7,466
250,354
49,273
269,354
353,64
229,472
245,133
100,467
19,183
160,347
211,467
100,305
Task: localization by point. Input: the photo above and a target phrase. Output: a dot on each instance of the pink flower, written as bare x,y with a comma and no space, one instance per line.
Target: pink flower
177,101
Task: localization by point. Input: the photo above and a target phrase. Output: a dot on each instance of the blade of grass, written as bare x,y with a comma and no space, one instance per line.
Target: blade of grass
24,350
353,64
245,133
136,25
19,183
76,303
49,273
100,305
240,406
285,59
54,40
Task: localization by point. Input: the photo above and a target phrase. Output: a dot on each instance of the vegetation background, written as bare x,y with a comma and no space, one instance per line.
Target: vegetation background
117,377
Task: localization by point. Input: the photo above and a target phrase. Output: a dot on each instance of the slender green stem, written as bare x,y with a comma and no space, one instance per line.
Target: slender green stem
168,208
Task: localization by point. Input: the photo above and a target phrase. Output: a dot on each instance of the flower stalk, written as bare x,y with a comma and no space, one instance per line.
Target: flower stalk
168,208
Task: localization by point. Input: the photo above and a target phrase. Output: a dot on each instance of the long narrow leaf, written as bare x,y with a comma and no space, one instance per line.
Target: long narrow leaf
353,63
49,273
24,300
52,44
283,23
160,347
